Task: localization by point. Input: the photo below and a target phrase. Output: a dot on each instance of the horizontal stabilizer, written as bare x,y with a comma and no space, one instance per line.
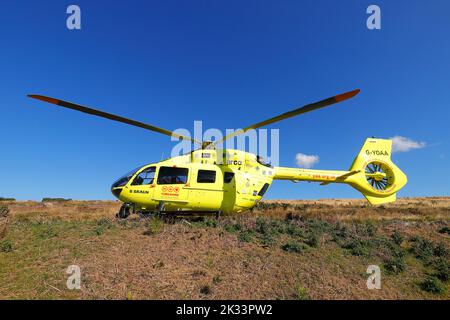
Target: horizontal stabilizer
380,200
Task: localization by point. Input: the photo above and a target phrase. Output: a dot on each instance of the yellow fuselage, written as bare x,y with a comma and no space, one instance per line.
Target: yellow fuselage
239,182
234,181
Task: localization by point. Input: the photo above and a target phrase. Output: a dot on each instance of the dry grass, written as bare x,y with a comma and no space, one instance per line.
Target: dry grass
405,209
232,259
67,210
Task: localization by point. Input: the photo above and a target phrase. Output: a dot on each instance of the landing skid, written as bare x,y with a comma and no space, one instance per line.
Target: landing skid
190,213
177,214
128,208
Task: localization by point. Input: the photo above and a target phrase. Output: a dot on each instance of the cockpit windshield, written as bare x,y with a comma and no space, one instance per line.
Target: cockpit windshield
125,178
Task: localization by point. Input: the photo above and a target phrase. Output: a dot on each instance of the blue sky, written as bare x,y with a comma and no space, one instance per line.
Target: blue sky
229,64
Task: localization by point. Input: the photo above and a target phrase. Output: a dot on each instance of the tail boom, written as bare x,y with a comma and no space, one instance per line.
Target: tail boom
295,174
372,173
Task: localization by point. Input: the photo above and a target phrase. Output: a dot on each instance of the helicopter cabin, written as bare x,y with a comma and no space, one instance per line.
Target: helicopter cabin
203,180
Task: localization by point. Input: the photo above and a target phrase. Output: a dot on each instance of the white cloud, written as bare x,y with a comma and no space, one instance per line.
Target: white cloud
306,161
402,144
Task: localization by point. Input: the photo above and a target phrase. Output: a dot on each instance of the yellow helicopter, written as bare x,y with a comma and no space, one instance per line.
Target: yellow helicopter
211,181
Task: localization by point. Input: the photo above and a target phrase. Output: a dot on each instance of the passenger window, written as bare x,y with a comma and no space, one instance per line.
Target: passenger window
172,175
206,176
146,176
228,177
263,190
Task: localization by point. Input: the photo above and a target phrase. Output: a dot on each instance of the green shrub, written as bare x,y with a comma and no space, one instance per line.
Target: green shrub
104,222
398,251
422,249
4,211
302,293
246,236
269,229
210,222
368,229
101,225
6,246
313,239
294,230
389,247
267,240
395,265
154,226
293,246
397,237
7,199
318,226
99,230
442,267
433,285
358,247
232,227
44,231
262,226
445,230
277,226
341,233
440,250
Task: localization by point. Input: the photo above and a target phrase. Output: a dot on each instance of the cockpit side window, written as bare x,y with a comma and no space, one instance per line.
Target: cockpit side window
145,177
228,177
172,175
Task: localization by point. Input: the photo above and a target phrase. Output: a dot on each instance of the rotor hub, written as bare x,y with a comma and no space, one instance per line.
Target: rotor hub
379,176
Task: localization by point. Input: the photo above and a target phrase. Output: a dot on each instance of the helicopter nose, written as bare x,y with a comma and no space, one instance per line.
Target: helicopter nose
116,192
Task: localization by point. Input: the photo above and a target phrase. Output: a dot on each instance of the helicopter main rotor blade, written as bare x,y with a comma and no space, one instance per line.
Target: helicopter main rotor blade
289,114
110,116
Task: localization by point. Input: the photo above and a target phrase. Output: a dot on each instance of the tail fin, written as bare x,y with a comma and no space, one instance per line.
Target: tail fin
376,176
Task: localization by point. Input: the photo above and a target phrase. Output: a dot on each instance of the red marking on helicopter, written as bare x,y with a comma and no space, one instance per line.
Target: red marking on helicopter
323,176
170,191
